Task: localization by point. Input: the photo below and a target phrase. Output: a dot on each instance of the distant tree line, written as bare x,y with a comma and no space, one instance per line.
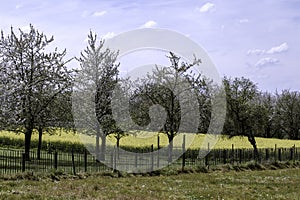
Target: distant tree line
36,90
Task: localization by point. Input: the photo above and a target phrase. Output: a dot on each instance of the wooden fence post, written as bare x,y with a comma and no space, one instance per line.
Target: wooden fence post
291,153
158,147
279,155
115,159
275,155
183,153
55,160
207,156
73,162
112,159
85,161
136,160
232,153
240,156
224,156
294,153
23,162
152,158
267,154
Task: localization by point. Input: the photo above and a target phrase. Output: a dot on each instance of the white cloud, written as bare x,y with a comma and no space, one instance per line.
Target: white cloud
18,6
149,24
85,13
278,49
99,14
242,21
206,7
256,52
108,35
266,61
222,27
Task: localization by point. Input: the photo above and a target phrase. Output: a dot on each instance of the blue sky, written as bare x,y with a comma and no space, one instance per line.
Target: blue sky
255,39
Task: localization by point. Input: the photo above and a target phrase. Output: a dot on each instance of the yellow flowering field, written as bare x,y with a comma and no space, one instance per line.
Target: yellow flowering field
147,139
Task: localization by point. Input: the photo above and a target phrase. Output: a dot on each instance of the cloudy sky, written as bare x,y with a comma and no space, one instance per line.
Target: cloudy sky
257,39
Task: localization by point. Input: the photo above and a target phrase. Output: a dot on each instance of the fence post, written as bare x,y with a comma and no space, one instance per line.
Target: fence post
279,155
136,160
240,156
267,154
183,155
115,159
294,153
232,153
224,156
73,162
112,159
85,161
23,162
152,158
291,153
6,162
55,160
207,155
158,147
275,156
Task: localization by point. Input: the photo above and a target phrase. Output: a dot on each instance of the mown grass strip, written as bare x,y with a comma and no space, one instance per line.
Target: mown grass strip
263,184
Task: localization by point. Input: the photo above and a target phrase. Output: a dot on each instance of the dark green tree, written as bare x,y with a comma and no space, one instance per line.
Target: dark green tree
288,113
270,120
242,110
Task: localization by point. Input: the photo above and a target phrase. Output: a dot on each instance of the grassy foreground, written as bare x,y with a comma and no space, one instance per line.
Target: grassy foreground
267,184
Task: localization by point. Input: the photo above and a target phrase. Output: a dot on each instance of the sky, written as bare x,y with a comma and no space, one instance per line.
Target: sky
256,39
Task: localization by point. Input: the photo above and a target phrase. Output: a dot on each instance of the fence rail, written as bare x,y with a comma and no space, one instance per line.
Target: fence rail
13,161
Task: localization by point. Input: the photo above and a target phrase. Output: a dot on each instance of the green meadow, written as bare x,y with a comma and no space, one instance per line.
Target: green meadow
265,184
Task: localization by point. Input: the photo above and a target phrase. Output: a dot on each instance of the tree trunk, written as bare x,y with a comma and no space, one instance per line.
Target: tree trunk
28,134
170,149
97,149
118,145
296,135
252,141
103,147
118,141
268,132
40,130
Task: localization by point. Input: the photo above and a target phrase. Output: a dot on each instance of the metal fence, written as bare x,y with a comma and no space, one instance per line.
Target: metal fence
13,161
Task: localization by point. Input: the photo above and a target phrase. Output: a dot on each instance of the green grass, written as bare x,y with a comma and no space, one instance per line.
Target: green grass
266,184
149,138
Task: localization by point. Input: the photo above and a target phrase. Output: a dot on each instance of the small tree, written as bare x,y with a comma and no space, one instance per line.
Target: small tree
242,112
31,79
165,87
288,113
99,74
58,116
270,120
